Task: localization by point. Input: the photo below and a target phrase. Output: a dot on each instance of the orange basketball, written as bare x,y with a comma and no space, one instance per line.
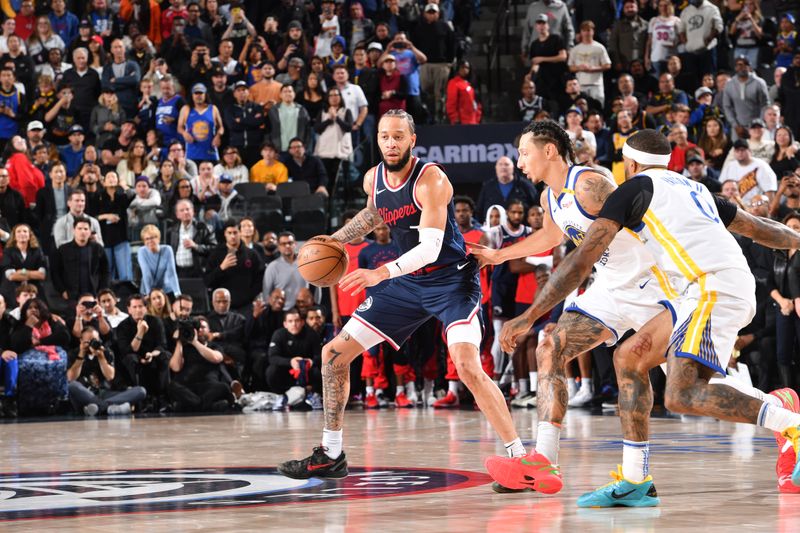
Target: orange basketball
322,261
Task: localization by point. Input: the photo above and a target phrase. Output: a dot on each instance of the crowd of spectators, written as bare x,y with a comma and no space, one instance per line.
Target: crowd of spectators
144,140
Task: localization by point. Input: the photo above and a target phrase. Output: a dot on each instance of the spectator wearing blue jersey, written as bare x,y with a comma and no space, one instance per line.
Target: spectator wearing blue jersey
64,23
168,109
101,18
200,124
12,106
72,153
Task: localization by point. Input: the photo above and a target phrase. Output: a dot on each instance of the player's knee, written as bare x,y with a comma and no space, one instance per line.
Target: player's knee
678,401
634,353
544,353
470,372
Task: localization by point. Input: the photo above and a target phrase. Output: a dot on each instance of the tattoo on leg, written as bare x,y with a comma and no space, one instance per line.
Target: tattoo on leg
635,404
573,335
334,354
688,392
335,389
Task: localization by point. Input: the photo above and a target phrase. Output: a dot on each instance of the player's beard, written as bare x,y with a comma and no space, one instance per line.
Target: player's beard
404,159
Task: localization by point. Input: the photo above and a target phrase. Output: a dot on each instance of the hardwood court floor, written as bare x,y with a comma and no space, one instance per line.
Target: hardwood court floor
710,475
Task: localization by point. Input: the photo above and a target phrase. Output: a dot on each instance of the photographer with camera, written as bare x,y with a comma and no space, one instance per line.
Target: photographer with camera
89,313
198,382
90,374
142,341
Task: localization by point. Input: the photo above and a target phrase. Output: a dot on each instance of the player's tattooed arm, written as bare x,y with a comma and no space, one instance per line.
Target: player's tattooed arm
764,231
592,191
567,277
365,221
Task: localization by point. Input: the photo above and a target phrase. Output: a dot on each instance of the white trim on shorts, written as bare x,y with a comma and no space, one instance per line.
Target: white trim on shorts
366,334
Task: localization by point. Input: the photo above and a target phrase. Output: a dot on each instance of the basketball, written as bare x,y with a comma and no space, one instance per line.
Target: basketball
322,261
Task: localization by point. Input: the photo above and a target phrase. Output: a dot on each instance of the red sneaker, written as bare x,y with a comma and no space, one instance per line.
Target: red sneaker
451,400
532,471
400,400
371,402
790,401
784,468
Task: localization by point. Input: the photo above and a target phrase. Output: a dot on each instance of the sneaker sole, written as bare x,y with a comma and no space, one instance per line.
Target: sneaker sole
516,476
500,489
338,474
649,502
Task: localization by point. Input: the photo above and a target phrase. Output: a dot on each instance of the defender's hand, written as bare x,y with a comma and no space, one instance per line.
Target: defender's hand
512,330
485,255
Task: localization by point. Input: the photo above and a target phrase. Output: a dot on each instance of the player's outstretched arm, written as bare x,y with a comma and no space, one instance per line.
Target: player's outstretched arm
547,238
567,277
366,220
764,231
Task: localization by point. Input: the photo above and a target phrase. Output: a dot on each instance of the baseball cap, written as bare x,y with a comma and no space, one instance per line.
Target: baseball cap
338,40
701,92
296,62
97,38
542,18
375,46
789,17
694,158
226,178
35,125
574,109
757,123
740,143
389,57
294,24
199,88
432,8
76,128
217,71
85,24
239,84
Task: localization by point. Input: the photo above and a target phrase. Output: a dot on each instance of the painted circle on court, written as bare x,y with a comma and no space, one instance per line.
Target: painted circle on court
39,495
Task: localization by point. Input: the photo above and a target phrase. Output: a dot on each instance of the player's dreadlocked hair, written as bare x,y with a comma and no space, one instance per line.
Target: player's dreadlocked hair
549,131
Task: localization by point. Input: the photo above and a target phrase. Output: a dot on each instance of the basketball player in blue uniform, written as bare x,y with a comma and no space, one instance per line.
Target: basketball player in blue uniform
433,277
201,126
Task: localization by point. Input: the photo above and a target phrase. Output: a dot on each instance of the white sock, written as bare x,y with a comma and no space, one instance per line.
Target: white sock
534,379
777,418
744,388
332,440
515,386
547,436
370,390
515,448
572,387
635,460
400,390
452,386
411,388
523,387
428,387
586,383
378,392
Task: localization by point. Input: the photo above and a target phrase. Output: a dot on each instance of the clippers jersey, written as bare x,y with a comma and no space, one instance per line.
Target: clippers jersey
401,211
683,230
624,260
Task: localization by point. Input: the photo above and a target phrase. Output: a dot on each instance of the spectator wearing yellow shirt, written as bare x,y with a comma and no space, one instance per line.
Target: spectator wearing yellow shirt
269,170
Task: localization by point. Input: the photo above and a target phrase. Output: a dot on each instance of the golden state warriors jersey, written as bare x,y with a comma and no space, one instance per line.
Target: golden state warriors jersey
683,230
624,261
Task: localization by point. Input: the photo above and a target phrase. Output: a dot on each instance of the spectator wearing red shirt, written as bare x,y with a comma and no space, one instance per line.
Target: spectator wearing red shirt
26,20
679,137
24,177
176,9
393,86
462,108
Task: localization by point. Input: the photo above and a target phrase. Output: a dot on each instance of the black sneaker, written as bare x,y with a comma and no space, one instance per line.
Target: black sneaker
497,487
318,464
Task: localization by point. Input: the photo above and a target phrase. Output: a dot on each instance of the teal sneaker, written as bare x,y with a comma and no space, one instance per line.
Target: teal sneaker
622,493
793,434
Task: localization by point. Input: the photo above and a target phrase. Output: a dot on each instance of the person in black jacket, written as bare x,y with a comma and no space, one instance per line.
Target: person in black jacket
784,288
503,188
262,322
47,209
291,347
12,205
245,124
227,330
235,267
199,384
23,261
30,332
306,167
80,266
191,241
141,345
85,84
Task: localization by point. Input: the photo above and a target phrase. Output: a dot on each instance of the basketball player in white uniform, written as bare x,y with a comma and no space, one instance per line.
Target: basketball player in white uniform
680,222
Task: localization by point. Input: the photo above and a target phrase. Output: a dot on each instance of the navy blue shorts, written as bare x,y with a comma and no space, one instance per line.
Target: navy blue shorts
451,294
